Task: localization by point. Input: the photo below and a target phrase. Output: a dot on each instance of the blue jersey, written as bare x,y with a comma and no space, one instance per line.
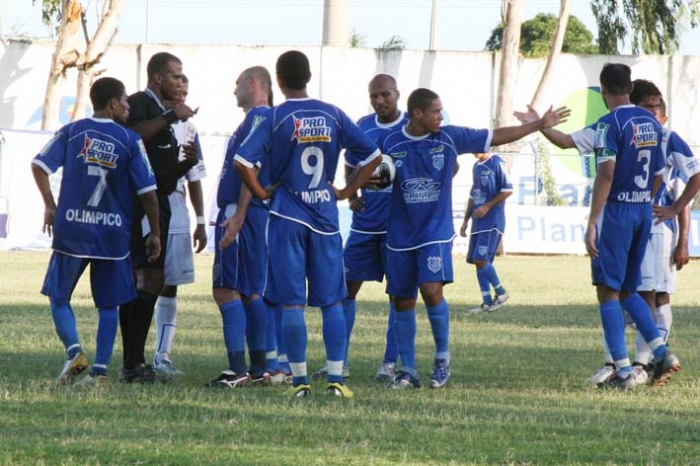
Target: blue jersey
680,166
374,217
631,137
229,182
490,177
420,210
303,139
103,165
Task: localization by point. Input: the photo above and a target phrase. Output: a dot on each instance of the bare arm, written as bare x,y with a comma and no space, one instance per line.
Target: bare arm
513,133
601,190
249,175
556,137
42,182
358,180
148,129
199,237
149,201
681,256
483,209
666,213
467,216
234,223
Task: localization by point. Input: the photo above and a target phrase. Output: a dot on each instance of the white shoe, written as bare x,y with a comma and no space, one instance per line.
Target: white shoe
71,368
482,307
166,367
639,374
386,372
93,380
602,375
498,302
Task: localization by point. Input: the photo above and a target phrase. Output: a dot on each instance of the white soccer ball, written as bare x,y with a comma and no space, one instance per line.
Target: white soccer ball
386,171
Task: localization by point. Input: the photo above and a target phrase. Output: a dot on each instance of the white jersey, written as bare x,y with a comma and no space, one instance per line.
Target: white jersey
185,132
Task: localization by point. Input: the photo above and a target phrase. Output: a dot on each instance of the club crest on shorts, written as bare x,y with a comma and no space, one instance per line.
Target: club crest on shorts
483,250
438,161
434,264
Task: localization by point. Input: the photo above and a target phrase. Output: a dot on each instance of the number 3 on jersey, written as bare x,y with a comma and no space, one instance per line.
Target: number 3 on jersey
644,157
315,170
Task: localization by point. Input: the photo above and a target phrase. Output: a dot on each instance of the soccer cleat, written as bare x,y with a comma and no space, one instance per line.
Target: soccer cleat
404,380
386,372
141,373
166,367
339,389
259,379
602,375
93,380
618,383
71,368
323,373
229,379
639,374
278,377
482,307
298,391
441,373
664,369
498,302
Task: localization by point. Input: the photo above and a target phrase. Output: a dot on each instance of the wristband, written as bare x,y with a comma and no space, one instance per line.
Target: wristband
170,116
201,220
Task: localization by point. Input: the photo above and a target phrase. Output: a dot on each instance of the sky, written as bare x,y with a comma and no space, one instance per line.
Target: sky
464,24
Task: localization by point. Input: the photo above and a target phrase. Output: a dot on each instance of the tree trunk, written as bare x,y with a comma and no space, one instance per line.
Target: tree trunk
554,53
64,56
96,48
509,62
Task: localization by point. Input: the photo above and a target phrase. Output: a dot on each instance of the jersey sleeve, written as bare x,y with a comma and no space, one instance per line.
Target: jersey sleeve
584,139
361,148
503,176
140,171
681,157
53,155
469,140
605,142
257,139
138,109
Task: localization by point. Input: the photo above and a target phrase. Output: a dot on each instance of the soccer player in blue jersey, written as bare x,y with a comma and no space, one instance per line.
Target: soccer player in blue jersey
302,138
104,168
629,165
239,265
491,187
152,121
179,260
659,263
420,229
365,249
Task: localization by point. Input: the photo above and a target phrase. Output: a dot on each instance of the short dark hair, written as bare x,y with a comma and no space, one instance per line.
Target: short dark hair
294,70
104,90
662,107
185,79
642,89
159,63
617,79
420,99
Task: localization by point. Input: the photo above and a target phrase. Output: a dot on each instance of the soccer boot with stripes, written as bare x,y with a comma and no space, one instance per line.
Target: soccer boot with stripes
298,391
441,373
71,368
339,389
602,375
498,302
386,372
404,380
664,369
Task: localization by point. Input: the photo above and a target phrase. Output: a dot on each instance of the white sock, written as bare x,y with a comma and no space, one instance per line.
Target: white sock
664,319
642,352
166,321
606,351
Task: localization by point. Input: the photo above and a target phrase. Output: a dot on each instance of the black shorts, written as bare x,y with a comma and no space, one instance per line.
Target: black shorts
139,259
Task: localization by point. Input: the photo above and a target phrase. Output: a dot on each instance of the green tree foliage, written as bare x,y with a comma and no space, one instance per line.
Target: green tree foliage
654,26
393,43
50,11
536,37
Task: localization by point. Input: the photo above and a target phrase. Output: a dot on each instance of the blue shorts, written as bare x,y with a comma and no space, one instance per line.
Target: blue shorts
243,264
365,257
298,255
406,270
623,233
483,246
111,281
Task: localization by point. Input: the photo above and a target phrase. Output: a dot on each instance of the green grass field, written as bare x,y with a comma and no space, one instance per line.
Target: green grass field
517,394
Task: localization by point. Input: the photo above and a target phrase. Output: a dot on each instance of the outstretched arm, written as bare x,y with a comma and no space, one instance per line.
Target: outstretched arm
513,133
556,137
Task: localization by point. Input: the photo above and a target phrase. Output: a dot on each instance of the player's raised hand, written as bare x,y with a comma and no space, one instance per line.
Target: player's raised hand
184,112
554,117
527,117
153,247
191,155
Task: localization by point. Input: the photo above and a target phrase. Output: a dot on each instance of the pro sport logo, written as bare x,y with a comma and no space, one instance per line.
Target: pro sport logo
644,135
419,190
312,129
99,152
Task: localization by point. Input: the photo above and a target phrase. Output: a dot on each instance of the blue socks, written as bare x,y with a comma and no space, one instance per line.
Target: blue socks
405,331
66,328
271,360
439,317
106,334
335,336
638,309
234,326
295,339
256,334
391,353
614,332
484,285
349,311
